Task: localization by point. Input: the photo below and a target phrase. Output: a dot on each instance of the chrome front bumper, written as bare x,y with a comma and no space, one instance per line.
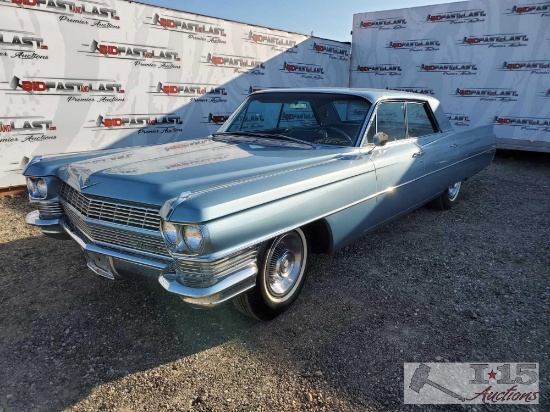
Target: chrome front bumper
113,264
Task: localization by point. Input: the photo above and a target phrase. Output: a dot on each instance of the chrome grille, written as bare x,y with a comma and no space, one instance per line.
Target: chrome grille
49,210
204,274
127,215
116,237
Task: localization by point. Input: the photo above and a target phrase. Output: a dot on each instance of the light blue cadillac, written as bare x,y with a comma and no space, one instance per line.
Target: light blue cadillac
237,214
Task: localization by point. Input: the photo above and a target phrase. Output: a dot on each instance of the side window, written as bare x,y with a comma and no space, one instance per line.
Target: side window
391,120
419,122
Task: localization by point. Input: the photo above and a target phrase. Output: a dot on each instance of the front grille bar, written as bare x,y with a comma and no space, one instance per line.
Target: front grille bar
99,209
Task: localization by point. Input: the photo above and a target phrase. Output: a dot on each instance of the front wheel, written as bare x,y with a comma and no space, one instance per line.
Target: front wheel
282,271
447,199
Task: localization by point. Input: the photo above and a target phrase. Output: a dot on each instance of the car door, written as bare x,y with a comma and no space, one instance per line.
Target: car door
398,163
439,150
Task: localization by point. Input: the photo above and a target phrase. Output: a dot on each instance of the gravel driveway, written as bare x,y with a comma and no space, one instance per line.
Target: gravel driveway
469,284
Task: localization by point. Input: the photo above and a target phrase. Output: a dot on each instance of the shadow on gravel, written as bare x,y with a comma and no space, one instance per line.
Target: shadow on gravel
470,284
66,331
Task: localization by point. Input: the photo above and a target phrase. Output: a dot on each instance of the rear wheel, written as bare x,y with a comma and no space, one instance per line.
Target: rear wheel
282,270
447,199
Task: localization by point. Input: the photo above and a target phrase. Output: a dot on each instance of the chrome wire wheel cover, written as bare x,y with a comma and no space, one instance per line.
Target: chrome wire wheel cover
453,191
284,265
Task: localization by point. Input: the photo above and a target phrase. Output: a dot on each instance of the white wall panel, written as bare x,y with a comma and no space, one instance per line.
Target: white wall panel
81,75
487,61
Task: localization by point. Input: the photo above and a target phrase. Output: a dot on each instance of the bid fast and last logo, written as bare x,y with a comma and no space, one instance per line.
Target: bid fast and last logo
415,45
195,92
75,90
395,23
279,43
26,129
84,12
488,94
541,9
333,52
239,64
140,55
195,29
152,123
531,66
457,17
459,119
22,45
449,68
305,70
532,124
379,69
496,40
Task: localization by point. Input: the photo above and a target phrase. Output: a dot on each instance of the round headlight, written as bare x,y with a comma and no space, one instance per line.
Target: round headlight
170,232
193,237
31,186
42,188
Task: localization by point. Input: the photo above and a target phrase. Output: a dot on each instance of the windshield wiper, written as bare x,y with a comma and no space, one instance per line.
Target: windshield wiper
268,136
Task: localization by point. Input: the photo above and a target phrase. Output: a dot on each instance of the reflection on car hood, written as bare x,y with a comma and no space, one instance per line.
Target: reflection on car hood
154,174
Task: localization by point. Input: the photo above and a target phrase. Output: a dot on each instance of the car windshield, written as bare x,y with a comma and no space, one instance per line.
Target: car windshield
318,118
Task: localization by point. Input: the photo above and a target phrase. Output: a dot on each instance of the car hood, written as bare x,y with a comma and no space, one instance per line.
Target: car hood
215,174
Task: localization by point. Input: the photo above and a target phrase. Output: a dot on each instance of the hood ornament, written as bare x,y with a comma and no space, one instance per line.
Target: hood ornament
86,183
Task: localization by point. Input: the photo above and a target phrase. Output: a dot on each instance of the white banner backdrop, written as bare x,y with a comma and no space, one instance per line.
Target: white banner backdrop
487,61
80,75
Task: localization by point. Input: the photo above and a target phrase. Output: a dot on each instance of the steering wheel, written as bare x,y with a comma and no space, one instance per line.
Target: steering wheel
323,131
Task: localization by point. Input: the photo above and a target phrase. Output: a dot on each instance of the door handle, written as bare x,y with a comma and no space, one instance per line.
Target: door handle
454,146
418,154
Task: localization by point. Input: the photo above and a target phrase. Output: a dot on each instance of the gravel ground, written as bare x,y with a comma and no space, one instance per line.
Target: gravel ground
470,284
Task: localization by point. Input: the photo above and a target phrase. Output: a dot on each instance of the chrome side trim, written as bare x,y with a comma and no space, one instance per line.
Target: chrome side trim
166,211
443,168
286,229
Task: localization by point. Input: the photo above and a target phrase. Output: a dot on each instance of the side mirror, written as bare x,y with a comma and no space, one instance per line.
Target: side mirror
380,139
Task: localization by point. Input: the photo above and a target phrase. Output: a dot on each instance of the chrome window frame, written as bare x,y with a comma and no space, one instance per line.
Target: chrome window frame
374,111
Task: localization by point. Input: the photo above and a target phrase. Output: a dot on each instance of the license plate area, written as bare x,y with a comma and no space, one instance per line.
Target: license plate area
100,264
